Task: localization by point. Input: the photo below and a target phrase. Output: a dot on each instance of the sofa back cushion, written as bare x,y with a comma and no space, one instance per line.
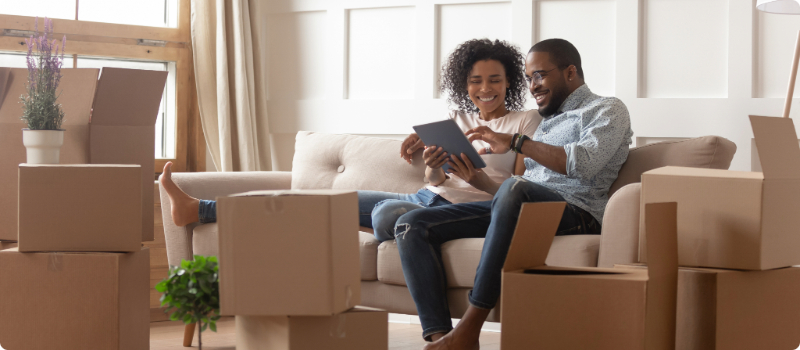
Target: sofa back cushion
351,162
712,152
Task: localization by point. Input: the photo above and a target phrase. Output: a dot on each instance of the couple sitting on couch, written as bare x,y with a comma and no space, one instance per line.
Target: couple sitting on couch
570,151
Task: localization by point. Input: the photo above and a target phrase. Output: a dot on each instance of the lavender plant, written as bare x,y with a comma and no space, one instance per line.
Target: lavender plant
40,110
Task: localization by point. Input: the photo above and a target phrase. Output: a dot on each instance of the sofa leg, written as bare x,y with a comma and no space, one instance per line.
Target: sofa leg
188,334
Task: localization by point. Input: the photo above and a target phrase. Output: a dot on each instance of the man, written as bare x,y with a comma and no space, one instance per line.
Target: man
574,157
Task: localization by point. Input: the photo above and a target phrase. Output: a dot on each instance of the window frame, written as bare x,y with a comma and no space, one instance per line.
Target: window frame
97,39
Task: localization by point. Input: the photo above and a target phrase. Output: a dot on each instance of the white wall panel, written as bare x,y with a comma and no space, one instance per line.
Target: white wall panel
590,25
297,55
776,42
458,23
380,54
686,48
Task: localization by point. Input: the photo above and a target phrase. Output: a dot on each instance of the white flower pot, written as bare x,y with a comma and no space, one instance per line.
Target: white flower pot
43,146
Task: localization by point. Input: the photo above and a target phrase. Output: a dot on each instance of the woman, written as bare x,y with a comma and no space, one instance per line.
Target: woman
485,81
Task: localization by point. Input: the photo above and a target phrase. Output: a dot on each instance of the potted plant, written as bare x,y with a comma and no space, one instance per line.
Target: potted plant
43,137
192,292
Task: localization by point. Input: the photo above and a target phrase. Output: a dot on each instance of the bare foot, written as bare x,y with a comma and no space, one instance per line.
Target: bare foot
452,341
466,334
184,207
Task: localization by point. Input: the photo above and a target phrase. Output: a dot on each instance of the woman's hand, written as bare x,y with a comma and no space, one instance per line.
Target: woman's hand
434,157
463,168
498,143
410,145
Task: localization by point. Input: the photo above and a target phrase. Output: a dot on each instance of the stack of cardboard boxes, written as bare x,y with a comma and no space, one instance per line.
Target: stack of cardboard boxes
79,276
738,235
547,307
289,272
735,236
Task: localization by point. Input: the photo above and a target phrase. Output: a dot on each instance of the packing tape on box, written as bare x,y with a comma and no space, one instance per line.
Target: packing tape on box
54,262
274,205
339,326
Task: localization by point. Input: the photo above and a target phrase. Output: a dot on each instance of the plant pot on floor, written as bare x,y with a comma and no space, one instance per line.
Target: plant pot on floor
43,146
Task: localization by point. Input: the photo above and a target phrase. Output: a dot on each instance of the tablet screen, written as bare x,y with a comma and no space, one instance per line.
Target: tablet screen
448,135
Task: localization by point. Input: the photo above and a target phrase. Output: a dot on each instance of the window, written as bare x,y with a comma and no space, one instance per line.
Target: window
141,34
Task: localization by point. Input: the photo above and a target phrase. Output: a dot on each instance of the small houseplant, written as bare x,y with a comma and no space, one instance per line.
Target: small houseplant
40,110
191,292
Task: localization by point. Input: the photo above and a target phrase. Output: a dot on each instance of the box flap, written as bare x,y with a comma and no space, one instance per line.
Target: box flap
703,172
536,228
128,97
76,91
777,145
3,80
661,220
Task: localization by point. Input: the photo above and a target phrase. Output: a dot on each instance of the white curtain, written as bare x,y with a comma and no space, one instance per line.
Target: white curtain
229,64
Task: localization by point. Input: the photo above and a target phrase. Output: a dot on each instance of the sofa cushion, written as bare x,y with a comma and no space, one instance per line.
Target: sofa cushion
368,251
461,257
354,162
712,152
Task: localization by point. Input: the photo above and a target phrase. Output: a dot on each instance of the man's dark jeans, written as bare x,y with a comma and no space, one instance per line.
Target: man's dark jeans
421,233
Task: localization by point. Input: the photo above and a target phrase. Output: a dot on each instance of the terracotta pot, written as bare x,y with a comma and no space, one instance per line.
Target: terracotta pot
43,146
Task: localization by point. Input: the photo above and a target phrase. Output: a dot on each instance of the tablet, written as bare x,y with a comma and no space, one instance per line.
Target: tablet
448,135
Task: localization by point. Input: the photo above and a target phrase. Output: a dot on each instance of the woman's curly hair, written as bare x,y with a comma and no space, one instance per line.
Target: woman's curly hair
455,72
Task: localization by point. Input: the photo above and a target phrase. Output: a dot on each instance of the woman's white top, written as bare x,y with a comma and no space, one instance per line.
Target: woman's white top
499,167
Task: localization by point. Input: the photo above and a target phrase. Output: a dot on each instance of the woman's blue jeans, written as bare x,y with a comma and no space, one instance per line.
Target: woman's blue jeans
422,232
380,210
376,209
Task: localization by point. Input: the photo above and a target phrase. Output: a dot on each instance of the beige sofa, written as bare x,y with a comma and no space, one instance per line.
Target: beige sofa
366,163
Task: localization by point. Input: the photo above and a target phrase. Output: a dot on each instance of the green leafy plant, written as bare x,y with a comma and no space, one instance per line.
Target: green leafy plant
40,109
191,292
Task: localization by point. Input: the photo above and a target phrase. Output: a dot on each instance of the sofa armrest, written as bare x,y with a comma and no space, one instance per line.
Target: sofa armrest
209,186
619,241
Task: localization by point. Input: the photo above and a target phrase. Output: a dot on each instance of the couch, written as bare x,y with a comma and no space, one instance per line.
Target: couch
368,163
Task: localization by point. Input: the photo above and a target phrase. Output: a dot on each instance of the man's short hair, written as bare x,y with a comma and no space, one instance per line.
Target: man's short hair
562,53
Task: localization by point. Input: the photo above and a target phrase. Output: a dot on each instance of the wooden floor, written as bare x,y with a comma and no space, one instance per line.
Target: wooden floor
169,336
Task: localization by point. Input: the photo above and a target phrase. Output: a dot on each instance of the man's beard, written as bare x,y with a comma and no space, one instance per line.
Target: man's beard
557,98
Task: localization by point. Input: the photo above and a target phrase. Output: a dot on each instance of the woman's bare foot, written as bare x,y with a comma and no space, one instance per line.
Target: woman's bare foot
184,207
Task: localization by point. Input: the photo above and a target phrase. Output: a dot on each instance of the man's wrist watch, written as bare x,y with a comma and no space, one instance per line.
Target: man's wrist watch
520,140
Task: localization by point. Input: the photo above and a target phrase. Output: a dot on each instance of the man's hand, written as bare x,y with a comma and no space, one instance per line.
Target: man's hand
434,157
498,143
410,145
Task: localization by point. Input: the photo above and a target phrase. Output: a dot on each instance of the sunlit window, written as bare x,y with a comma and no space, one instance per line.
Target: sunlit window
64,9
153,13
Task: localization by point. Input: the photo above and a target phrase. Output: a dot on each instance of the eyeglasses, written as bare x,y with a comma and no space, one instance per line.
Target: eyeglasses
537,77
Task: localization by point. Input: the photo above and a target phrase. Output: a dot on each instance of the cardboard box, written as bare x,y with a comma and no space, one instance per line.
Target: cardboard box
289,253
74,300
546,307
356,329
125,103
80,207
735,219
729,309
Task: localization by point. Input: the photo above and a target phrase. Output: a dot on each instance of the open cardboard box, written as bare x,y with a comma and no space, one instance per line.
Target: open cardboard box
360,328
736,219
732,310
546,307
288,253
121,129
80,208
74,300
